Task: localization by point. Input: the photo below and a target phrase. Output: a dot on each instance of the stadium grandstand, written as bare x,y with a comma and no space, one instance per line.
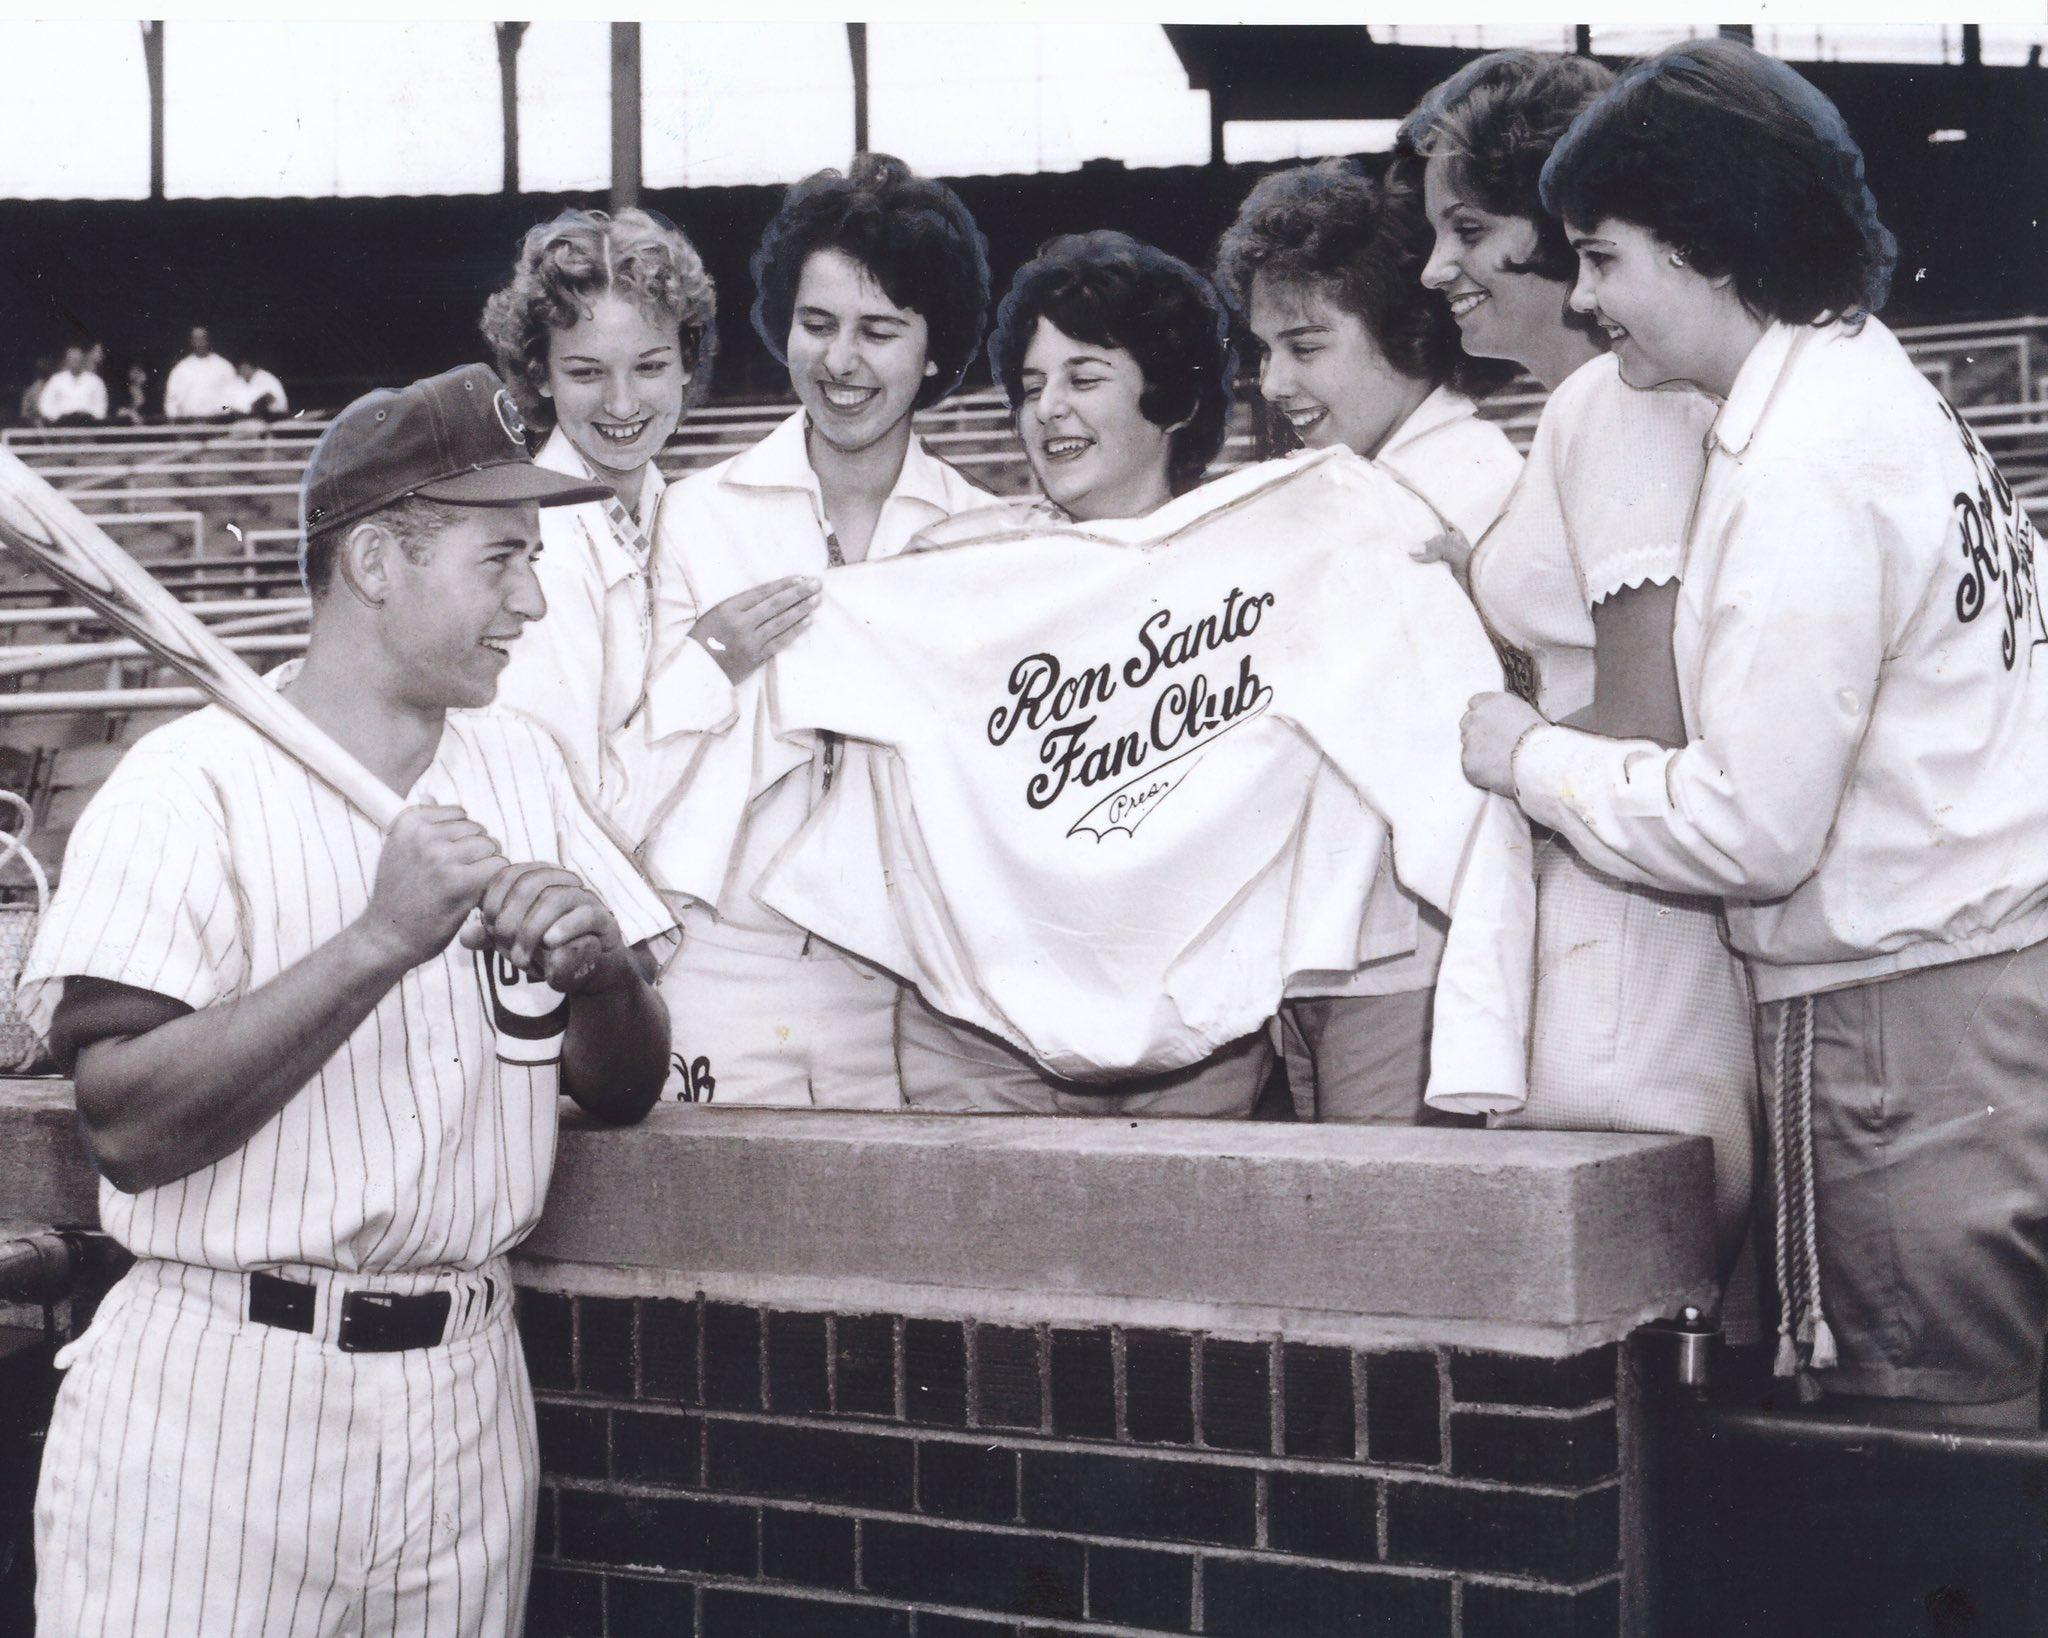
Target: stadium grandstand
346,292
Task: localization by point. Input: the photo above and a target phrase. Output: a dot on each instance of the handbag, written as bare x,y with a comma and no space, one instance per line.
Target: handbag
20,1047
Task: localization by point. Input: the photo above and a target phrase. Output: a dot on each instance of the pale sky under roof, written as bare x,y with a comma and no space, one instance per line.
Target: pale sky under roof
279,108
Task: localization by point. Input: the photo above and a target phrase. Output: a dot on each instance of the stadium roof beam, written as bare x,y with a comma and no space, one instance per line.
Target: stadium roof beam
857,49
510,35
625,116
153,66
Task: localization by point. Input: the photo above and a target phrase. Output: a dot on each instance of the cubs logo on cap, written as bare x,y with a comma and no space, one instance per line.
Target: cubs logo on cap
456,438
509,417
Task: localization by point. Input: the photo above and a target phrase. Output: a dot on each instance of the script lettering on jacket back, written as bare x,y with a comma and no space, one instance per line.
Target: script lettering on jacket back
1187,707
1998,551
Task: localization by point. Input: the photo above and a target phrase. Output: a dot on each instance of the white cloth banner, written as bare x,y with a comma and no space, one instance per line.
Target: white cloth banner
1143,772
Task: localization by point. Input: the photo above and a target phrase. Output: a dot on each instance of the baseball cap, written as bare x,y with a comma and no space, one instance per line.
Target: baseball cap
455,437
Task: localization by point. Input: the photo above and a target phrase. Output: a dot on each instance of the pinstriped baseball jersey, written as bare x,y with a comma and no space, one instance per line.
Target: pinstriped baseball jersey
210,862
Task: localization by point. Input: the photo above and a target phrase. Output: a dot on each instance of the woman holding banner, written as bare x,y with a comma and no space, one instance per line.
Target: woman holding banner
873,288
1863,665
1148,738
1324,262
1641,1013
1116,362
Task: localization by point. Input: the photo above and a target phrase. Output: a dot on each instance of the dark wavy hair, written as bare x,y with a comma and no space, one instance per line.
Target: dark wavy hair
1360,243
1734,160
1109,290
1495,122
914,237
582,254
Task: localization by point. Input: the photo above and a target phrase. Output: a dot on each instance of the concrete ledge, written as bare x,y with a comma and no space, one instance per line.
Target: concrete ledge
45,1179
1527,1242
1542,1243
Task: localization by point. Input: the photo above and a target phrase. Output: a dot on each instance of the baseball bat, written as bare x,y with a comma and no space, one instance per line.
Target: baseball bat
65,544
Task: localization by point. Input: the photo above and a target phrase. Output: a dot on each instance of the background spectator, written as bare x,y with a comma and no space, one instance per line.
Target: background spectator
256,392
135,398
73,396
202,385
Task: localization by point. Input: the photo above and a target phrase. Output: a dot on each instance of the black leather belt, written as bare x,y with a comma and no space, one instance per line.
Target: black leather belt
372,1322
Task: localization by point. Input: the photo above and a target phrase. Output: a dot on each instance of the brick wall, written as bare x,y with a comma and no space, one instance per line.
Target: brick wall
727,1471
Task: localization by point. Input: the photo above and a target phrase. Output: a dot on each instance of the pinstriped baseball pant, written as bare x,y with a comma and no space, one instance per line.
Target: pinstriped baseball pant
207,1475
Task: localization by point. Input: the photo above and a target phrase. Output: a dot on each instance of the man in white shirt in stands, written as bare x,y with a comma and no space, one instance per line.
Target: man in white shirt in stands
73,396
202,384
257,392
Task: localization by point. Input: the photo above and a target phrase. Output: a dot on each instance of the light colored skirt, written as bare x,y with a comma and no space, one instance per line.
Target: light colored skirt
1642,1022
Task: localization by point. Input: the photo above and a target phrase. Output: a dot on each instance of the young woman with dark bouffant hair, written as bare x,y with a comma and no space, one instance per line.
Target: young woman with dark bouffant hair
872,287
1115,360
1862,664
604,337
1324,263
1641,1017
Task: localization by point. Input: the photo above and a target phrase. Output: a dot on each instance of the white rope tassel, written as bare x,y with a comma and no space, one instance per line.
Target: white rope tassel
1824,1357
1787,1363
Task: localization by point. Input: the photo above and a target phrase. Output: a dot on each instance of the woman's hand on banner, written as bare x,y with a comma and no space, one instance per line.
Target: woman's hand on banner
748,627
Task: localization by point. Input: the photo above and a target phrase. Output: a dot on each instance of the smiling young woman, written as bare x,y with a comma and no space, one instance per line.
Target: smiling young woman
1863,665
1115,359
1641,1017
1324,262
872,287
605,337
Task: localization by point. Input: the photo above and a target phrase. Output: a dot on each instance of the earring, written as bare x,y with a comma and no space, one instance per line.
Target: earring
931,367
1677,260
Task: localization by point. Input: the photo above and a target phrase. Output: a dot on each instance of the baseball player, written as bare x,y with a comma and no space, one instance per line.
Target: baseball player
322,1118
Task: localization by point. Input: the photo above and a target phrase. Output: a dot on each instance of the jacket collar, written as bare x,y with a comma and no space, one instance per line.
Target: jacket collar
1442,408
1755,383
782,460
558,454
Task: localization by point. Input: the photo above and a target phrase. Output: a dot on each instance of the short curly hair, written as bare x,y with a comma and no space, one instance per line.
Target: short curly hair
914,237
1736,161
1109,290
1361,243
1495,122
565,264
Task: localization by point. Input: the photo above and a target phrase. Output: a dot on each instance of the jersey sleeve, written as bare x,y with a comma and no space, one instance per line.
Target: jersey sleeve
1630,464
146,897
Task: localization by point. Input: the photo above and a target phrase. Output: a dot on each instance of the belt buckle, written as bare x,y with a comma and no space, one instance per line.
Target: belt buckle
383,1322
